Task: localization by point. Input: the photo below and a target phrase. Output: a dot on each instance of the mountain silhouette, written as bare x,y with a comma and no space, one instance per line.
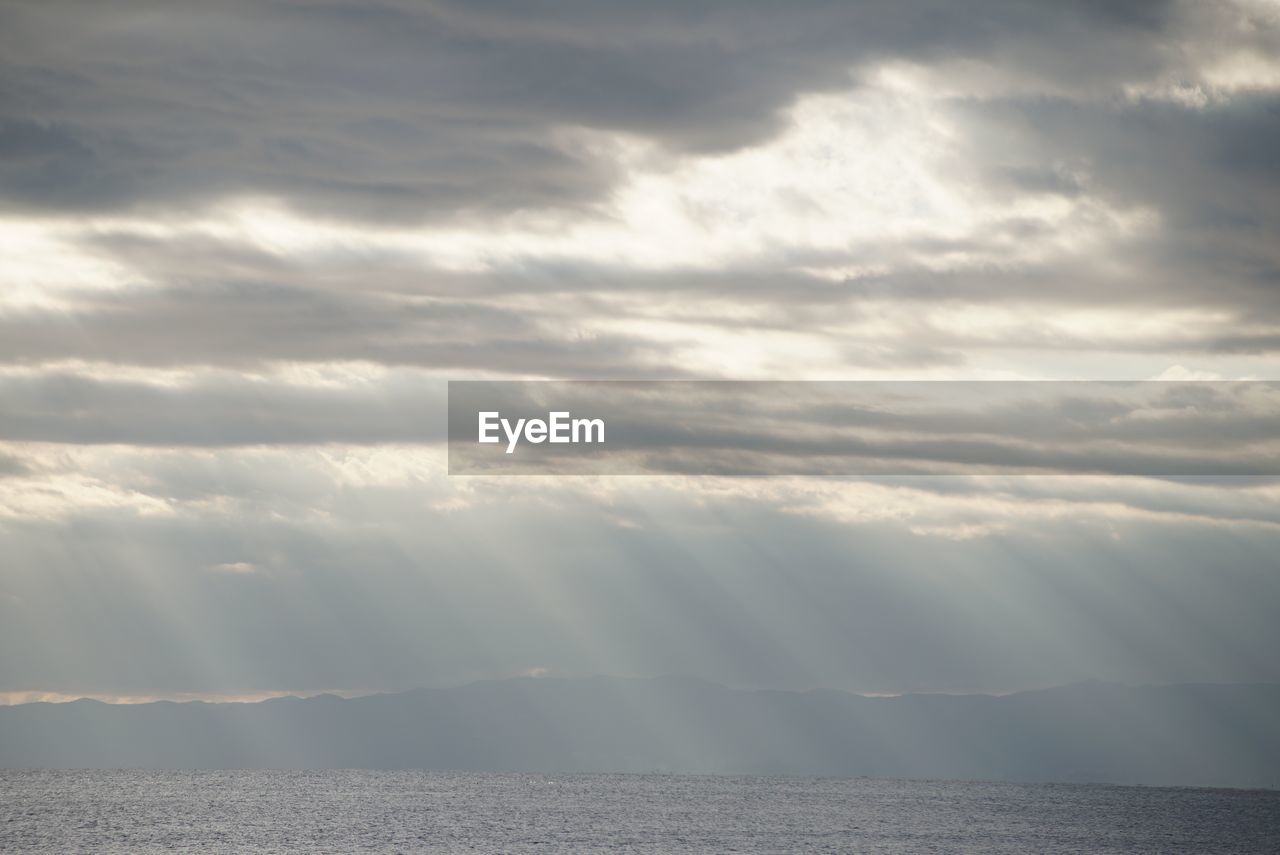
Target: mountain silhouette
1196,734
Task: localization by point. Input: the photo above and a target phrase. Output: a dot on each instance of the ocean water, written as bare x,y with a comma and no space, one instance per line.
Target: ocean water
419,811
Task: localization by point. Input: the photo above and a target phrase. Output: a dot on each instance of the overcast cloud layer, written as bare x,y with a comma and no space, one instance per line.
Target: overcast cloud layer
244,245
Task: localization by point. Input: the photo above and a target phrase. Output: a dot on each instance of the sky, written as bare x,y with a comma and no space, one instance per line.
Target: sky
244,246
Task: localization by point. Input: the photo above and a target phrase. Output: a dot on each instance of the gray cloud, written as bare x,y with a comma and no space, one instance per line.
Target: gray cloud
11,465
243,323
220,411
218,303
1208,172
1154,429
423,110
835,428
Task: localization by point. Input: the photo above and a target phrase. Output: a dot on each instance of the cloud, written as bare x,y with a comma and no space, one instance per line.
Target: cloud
880,427
221,409
234,568
1160,428
422,111
10,465
244,244
794,582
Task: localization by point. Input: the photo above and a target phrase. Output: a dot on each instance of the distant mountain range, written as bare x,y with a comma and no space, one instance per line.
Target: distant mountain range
1210,735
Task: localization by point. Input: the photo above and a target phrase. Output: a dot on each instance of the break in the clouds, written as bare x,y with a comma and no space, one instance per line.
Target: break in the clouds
244,245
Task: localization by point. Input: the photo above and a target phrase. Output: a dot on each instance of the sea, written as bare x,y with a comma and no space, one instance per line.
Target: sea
137,811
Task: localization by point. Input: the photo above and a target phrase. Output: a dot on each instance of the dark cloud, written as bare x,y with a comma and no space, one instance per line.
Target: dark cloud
1153,429
1208,173
426,110
222,411
242,323
929,427
10,465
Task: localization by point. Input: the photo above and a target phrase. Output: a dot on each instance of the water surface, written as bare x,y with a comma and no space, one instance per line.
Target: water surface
415,811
